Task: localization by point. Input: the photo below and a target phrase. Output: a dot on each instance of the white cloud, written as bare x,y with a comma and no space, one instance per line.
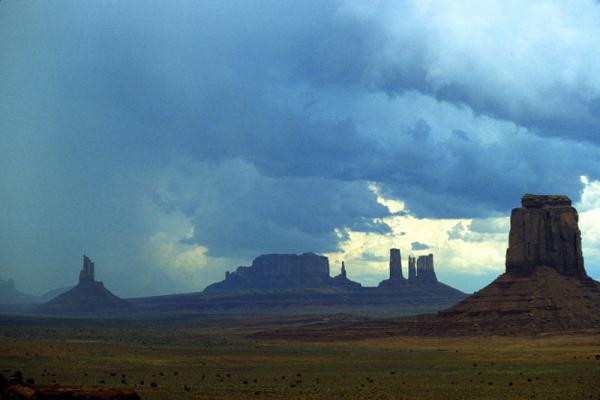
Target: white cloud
472,253
589,223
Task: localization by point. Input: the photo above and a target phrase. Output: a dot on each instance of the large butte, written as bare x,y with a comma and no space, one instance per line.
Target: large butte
545,288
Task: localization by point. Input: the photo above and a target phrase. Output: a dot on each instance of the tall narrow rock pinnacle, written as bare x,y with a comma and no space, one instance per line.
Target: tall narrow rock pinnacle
87,273
412,269
395,265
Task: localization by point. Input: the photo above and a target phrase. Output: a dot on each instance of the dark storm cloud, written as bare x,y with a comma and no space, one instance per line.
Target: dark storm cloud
235,209
264,123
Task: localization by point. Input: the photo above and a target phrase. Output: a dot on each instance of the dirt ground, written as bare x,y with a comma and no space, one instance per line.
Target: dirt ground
213,358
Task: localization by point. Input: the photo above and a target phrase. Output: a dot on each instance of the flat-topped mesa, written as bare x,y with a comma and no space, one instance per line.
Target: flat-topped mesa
412,270
544,200
425,269
87,273
545,232
277,271
395,265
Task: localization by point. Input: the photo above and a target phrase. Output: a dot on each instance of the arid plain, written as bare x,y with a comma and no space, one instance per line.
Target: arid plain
213,358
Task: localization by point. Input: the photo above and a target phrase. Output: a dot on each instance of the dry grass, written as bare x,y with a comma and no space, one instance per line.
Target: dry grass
213,359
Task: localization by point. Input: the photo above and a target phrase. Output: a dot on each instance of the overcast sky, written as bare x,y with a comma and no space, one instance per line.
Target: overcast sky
171,141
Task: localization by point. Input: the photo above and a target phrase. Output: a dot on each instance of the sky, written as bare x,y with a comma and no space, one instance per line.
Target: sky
173,141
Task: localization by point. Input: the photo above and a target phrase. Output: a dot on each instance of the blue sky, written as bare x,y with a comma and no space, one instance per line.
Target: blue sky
174,141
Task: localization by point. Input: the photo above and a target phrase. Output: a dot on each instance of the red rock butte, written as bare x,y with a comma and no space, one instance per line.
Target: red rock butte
545,288
545,232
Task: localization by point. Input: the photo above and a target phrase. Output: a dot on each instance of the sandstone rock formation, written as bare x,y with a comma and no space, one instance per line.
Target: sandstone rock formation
412,270
545,232
342,280
395,265
425,269
545,288
420,272
9,294
277,271
396,278
87,297
87,273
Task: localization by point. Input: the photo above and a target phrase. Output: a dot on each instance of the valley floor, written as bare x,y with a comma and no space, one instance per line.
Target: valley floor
212,358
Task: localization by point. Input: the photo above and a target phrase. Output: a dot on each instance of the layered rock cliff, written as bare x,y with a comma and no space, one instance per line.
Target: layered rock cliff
545,232
425,270
545,288
276,272
395,265
412,269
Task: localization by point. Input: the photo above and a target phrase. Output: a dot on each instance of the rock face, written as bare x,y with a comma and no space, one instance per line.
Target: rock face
87,297
425,269
87,273
412,271
395,265
545,232
342,280
422,281
278,271
545,288
396,278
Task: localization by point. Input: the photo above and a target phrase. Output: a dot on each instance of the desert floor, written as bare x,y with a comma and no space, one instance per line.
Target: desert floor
212,358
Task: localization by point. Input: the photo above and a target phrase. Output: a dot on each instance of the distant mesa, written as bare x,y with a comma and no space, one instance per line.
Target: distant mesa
545,288
420,271
270,272
309,272
88,296
9,294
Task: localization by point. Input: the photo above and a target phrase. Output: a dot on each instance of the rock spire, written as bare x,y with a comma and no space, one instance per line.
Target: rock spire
395,265
412,270
87,273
